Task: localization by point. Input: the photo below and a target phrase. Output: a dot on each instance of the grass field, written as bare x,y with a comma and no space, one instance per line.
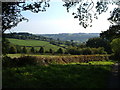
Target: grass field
34,43
93,74
73,75
57,76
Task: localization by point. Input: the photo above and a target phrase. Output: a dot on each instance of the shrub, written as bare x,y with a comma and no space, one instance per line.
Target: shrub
115,44
60,51
32,50
18,62
12,50
86,51
41,50
7,62
19,50
24,50
50,51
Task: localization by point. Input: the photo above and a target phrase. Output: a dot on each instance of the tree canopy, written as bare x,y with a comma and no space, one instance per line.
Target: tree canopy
115,45
87,10
112,33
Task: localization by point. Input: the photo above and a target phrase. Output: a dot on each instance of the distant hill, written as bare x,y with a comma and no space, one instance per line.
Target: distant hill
77,37
28,36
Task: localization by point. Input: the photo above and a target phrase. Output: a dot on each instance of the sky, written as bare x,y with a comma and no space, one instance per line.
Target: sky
57,20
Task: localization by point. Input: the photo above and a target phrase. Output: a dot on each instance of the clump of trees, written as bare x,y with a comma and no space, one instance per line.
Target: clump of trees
86,51
99,42
60,51
115,44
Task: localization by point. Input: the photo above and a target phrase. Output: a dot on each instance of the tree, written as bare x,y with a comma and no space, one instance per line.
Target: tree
41,50
12,50
112,33
24,50
5,46
86,10
98,42
60,51
19,50
11,11
32,50
86,51
115,44
50,51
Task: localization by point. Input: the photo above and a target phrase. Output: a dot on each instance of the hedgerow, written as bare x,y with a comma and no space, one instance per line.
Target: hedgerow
41,60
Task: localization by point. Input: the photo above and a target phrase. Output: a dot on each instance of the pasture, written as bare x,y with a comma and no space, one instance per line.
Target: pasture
58,76
34,43
56,73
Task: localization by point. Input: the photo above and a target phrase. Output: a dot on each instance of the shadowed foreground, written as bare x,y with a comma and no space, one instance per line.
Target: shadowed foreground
56,76
114,81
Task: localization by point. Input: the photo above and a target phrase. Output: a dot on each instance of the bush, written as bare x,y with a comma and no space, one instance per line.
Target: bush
115,44
7,62
18,62
32,50
60,51
12,50
86,51
24,50
41,50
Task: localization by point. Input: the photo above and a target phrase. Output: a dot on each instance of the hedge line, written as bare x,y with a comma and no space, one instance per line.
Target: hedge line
70,59
41,60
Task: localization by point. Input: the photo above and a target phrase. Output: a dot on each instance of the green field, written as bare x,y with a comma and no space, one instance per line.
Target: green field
56,76
34,43
93,74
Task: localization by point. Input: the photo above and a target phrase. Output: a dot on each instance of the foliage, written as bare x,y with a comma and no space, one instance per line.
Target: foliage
41,50
11,12
24,50
5,46
32,50
12,50
85,51
18,62
11,15
56,76
60,51
115,16
48,60
51,51
112,33
115,44
19,49
98,42
85,10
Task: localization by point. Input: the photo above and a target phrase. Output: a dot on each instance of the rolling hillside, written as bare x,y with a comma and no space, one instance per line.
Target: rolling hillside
34,43
77,37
